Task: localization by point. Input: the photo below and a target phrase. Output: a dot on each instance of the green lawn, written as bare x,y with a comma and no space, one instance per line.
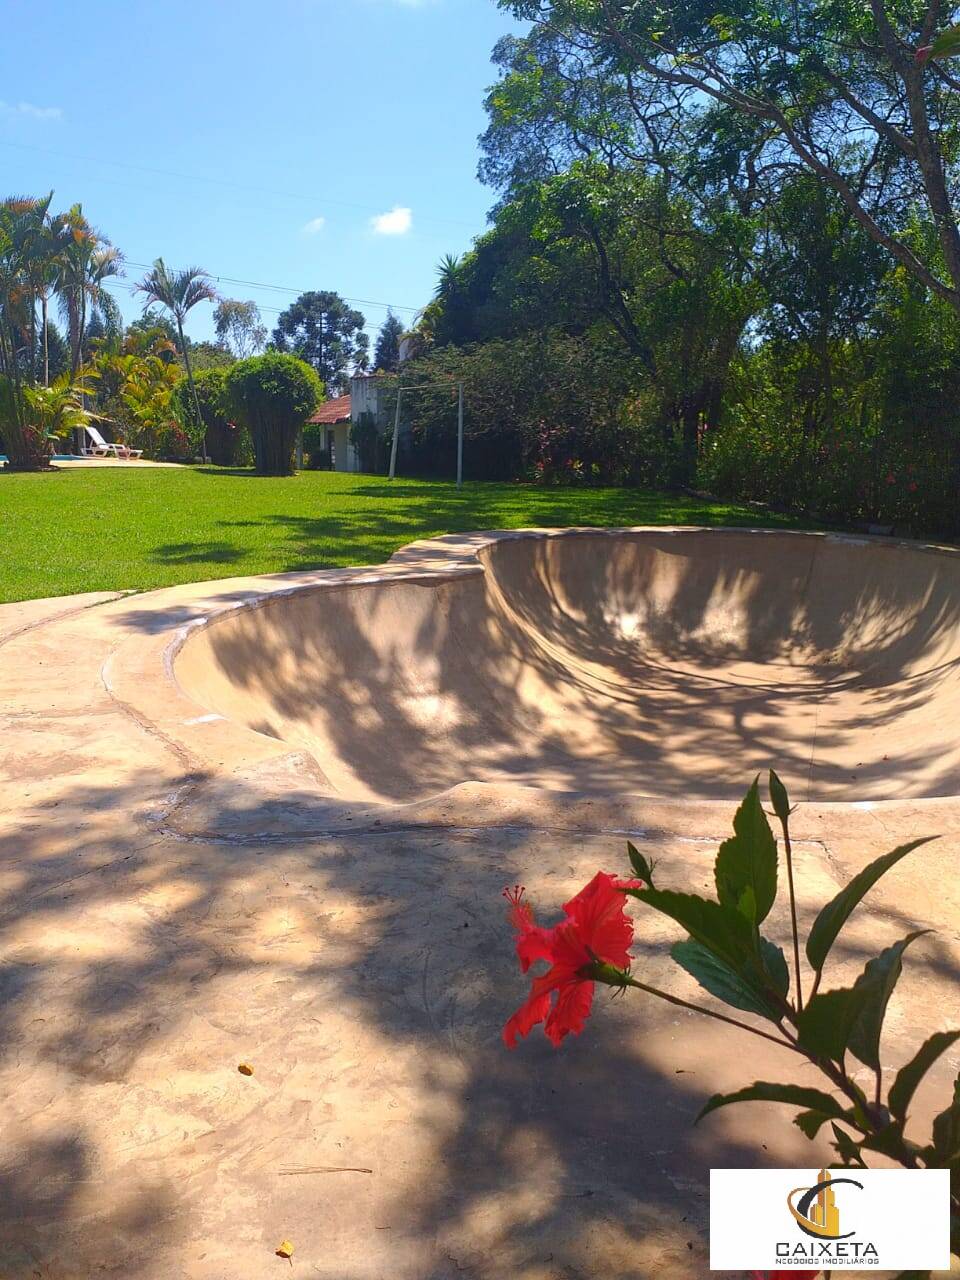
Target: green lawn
87,530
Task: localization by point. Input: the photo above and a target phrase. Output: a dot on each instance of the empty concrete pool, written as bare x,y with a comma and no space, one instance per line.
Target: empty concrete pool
647,661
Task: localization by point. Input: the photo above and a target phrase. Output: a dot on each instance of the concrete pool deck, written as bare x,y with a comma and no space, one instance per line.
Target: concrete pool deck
65,463
181,894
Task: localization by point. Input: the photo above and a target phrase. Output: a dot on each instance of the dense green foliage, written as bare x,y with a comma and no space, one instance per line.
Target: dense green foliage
227,445
722,241
45,256
316,455
542,406
272,396
109,529
321,329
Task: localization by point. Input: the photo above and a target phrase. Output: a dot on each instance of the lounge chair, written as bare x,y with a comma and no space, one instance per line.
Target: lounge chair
104,449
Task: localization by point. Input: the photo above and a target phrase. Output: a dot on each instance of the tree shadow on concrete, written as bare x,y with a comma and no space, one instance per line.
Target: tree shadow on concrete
531,674
366,976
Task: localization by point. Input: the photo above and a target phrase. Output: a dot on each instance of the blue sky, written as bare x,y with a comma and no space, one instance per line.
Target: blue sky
316,144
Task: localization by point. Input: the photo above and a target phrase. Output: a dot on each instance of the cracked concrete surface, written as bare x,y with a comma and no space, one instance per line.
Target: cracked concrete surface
179,894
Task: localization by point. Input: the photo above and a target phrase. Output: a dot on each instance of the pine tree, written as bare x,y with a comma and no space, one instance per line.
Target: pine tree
387,355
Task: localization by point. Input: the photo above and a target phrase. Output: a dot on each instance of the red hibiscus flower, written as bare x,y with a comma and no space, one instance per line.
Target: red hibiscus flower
596,928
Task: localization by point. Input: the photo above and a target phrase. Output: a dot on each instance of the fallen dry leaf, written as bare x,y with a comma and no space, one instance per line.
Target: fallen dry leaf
245,1069
285,1249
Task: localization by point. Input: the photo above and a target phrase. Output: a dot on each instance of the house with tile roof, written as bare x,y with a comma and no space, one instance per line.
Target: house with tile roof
334,417
366,396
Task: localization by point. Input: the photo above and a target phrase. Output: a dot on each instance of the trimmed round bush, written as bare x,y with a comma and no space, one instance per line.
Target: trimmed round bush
272,396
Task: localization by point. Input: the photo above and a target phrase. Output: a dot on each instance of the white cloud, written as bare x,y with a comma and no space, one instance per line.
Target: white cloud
314,226
28,109
395,223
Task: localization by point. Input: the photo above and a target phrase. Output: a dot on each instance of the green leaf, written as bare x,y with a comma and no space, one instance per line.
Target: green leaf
723,930
642,867
878,981
835,914
909,1076
795,1094
824,1026
846,1147
946,1128
746,866
747,904
775,966
717,977
947,43
779,798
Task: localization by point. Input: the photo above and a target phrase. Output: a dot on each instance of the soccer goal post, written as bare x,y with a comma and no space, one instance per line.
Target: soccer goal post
391,475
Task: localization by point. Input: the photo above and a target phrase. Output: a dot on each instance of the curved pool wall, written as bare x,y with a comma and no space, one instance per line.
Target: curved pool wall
672,663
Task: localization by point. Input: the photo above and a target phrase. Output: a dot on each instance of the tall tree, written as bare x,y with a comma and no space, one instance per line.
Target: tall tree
752,94
238,327
617,255
179,292
321,329
22,220
44,274
387,353
88,261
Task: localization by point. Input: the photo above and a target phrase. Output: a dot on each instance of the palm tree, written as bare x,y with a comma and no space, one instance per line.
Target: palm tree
44,272
22,221
449,271
59,409
179,292
88,261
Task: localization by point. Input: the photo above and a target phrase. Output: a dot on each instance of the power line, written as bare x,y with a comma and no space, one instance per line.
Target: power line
264,310
212,181
285,288
276,288
132,290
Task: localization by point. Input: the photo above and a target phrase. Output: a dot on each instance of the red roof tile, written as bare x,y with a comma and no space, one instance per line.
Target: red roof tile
333,411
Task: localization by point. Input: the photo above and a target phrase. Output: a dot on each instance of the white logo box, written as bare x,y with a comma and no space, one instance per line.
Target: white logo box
894,1220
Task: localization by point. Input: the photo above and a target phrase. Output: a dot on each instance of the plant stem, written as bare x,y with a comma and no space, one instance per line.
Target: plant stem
615,978
788,851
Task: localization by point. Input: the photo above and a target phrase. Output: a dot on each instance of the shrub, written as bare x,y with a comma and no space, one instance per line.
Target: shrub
224,439
546,407
272,396
372,446
315,451
173,444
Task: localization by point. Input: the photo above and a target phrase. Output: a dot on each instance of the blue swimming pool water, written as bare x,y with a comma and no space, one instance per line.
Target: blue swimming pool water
57,457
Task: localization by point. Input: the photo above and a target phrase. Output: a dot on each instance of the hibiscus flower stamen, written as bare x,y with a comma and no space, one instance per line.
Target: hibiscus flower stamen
521,912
